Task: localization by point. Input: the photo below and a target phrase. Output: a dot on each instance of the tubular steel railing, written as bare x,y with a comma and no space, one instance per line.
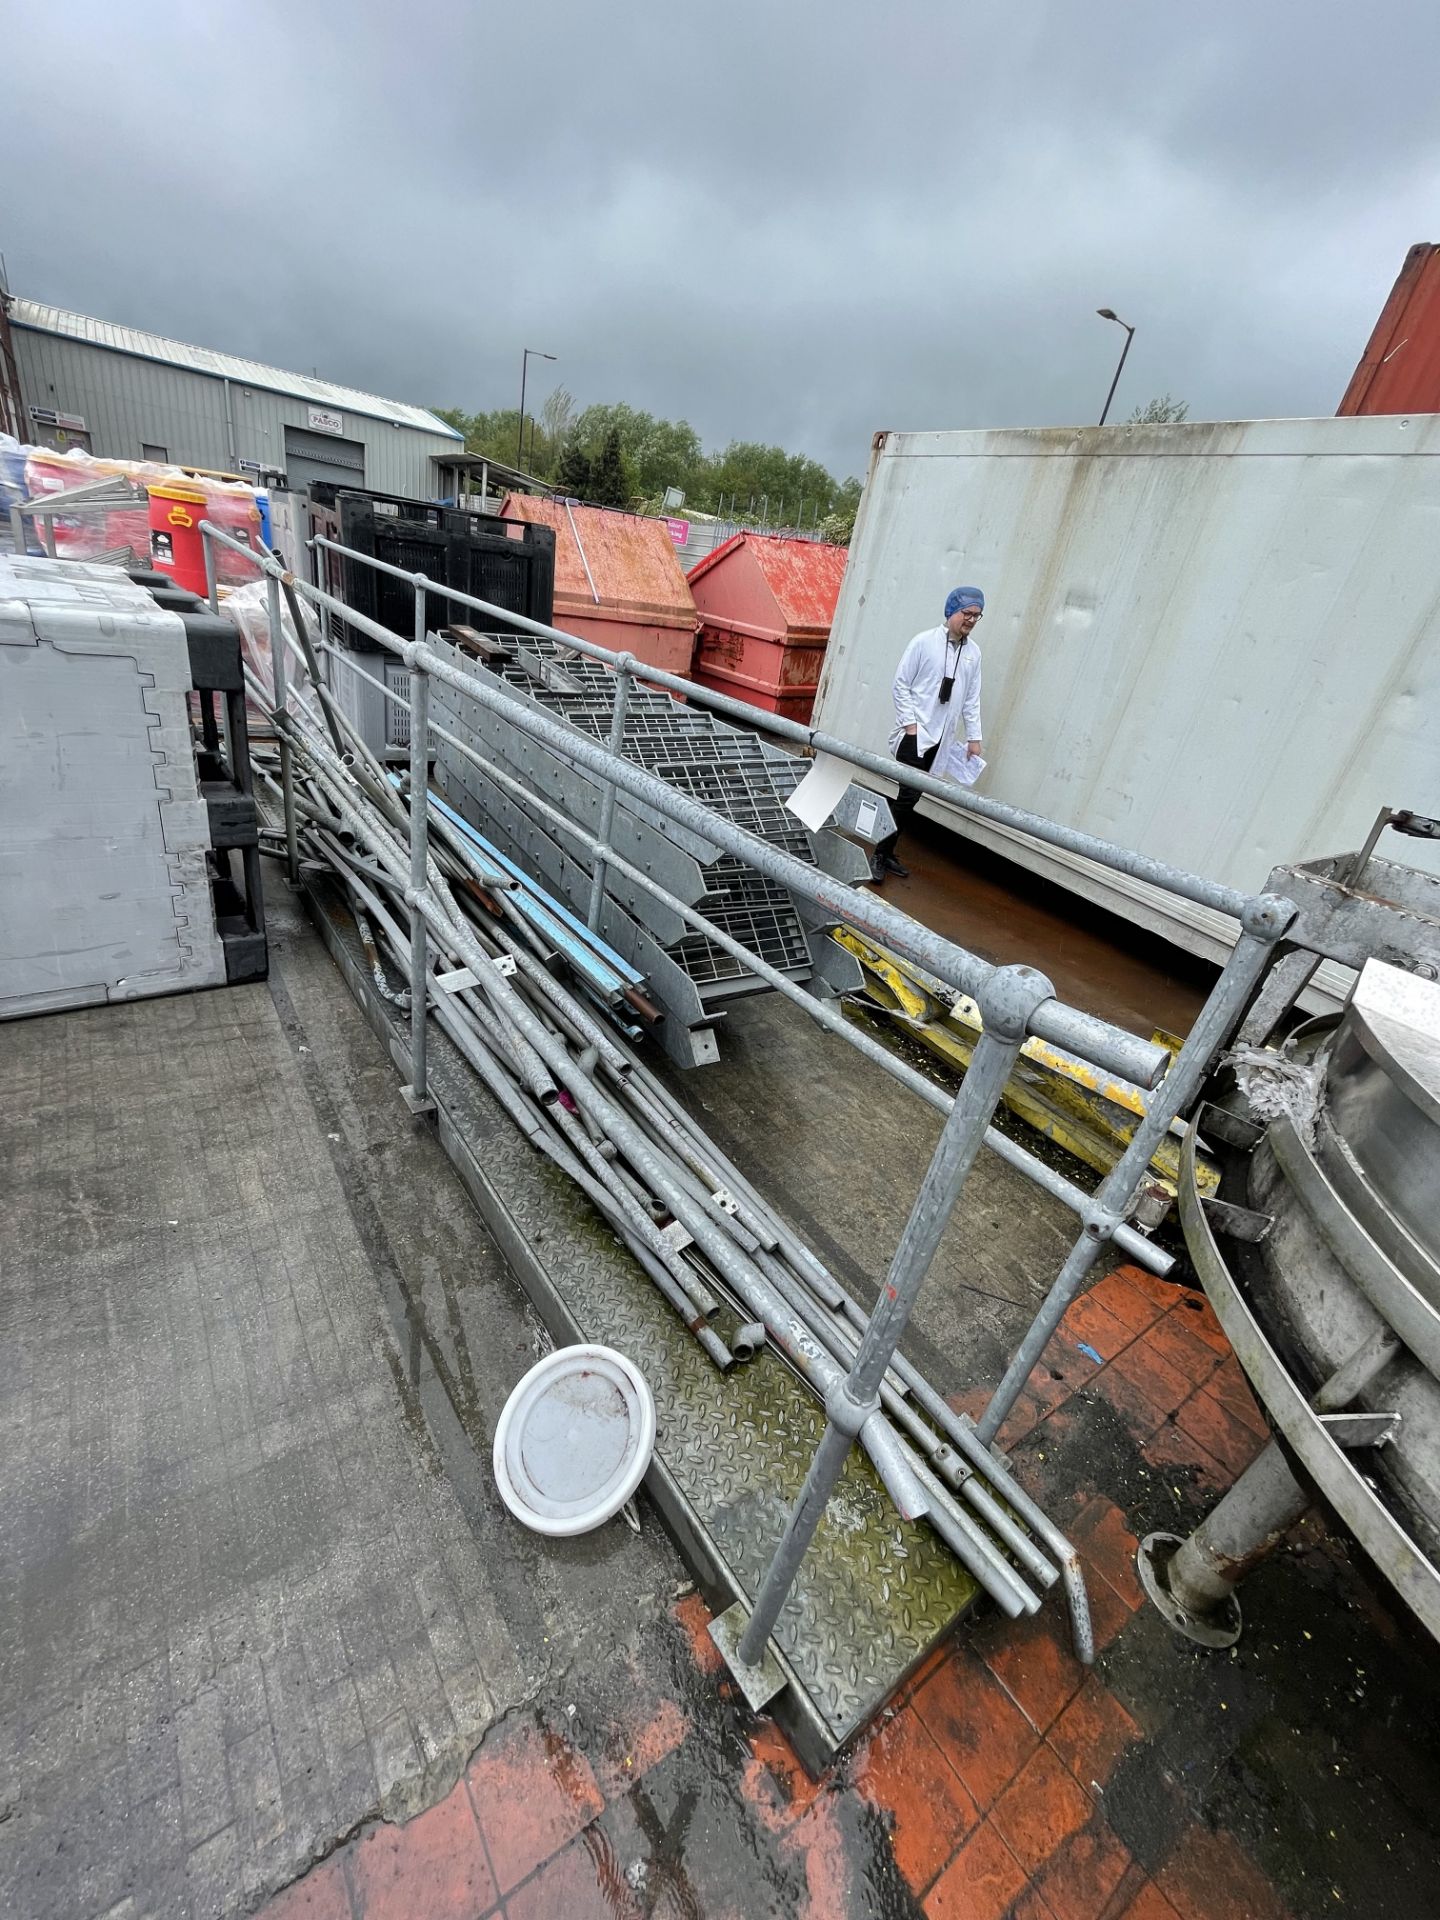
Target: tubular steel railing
1015,1002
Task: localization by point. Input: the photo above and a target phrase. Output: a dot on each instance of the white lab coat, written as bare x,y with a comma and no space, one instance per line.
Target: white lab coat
922,667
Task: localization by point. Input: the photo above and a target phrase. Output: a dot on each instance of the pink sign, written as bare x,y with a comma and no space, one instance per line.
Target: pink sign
679,531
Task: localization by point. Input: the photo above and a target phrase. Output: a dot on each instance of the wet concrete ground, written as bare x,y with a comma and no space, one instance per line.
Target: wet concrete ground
611,1769
1292,1777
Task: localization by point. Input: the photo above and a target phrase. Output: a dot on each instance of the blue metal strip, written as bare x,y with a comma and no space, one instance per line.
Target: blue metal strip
570,934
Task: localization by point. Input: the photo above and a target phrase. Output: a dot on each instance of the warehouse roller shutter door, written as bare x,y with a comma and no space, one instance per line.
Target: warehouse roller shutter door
322,456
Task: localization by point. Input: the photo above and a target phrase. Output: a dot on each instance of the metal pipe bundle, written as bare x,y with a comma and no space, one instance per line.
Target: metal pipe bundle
629,1146
542,1047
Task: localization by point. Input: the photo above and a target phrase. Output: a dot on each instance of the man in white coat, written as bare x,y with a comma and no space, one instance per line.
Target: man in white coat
937,712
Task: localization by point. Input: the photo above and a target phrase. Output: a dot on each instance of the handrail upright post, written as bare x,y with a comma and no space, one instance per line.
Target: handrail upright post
417,1093
281,689
1009,1000
212,572
1265,920
607,804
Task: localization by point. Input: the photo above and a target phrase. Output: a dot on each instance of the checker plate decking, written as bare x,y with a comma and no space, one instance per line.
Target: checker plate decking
874,1593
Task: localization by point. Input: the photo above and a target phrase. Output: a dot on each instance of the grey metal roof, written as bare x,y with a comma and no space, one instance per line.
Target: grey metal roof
224,366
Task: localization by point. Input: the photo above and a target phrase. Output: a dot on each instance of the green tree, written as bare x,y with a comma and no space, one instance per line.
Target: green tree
669,455
1159,412
497,434
609,483
766,482
614,454
628,423
557,419
657,453
839,524
573,475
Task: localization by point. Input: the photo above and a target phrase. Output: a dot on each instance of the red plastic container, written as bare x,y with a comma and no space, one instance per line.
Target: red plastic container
176,547
766,604
232,509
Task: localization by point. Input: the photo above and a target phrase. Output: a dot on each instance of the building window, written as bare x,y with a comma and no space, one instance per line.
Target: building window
160,456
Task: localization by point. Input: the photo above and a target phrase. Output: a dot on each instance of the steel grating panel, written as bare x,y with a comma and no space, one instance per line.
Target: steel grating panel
874,1593
573,787
734,773
547,854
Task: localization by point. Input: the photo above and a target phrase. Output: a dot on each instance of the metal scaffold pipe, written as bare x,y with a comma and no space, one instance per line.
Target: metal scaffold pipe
1134,1059
1159,873
1129,1239
531,1009
517,1035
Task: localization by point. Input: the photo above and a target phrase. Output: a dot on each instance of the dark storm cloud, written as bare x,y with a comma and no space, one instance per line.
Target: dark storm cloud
793,223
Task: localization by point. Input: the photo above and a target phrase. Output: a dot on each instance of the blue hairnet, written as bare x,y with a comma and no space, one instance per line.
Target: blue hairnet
964,597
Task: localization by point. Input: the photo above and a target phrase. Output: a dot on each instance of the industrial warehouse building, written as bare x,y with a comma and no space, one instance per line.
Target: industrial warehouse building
123,394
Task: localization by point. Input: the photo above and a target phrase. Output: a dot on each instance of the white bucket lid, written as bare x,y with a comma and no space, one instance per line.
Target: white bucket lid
574,1440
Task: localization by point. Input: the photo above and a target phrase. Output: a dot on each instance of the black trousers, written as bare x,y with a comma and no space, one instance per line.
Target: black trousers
906,801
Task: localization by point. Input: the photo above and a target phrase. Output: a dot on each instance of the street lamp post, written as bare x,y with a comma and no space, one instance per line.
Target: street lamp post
530,353
1109,313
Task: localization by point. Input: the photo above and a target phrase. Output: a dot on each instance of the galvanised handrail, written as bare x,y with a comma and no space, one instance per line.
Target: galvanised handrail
1014,1002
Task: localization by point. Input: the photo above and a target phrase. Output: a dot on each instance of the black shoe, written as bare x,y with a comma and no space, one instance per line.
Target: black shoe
892,865
879,867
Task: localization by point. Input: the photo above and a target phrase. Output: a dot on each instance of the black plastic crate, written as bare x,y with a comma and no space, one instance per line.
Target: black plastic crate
508,562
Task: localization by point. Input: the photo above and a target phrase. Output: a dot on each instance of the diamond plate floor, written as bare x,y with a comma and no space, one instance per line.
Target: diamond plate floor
874,1594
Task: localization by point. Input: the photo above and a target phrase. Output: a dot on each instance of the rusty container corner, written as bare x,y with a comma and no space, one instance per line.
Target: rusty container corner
618,581
766,604
1399,371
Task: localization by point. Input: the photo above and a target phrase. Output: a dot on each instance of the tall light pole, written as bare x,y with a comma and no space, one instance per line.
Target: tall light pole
530,353
1109,313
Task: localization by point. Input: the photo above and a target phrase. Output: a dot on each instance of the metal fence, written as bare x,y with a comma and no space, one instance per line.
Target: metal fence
1015,1001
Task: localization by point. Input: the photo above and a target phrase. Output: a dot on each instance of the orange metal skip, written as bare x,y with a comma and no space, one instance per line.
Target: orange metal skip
1399,371
766,604
618,582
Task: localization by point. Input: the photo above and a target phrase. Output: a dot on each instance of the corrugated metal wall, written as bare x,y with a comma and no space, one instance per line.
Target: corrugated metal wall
128,402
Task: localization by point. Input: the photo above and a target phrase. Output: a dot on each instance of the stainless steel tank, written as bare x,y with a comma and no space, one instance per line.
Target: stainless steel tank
1323,1265
1354,1196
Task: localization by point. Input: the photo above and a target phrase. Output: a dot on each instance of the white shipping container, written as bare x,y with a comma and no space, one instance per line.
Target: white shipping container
1218,644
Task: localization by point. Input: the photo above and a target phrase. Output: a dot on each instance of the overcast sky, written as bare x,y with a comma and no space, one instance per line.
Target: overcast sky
787,222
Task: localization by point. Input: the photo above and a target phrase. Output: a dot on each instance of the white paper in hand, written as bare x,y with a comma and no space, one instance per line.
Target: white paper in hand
967,770
819,793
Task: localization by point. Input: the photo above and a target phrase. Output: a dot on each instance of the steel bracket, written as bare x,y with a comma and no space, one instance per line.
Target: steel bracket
1233,1128
1218,1630
760,1683
1351,1430
1396,917
1238,1223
